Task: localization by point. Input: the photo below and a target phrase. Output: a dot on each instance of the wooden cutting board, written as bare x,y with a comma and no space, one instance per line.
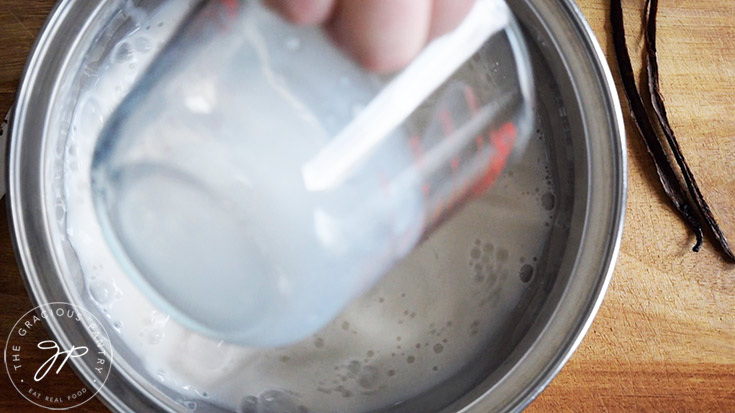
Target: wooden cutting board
664,339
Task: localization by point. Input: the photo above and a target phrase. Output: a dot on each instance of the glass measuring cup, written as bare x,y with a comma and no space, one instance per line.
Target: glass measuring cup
256,180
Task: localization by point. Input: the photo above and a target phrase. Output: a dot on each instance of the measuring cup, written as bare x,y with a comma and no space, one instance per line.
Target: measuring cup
256,179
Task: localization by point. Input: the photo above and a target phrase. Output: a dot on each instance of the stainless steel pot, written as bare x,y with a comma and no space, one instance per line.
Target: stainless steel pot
579,119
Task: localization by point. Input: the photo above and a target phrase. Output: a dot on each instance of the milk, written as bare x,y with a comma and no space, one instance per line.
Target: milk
198,182
241,195
425,320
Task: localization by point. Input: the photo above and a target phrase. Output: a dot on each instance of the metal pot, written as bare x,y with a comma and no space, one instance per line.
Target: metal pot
582,129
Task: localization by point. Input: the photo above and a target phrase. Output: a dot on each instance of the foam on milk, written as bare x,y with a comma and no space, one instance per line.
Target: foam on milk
399,340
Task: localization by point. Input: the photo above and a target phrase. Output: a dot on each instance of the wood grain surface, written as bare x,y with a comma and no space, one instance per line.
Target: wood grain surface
664,339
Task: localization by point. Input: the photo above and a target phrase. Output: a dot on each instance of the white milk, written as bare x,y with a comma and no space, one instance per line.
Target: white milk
235,180
200,183
424,321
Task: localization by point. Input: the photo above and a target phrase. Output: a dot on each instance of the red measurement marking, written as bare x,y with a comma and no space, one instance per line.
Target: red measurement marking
471,98
502,139
455,164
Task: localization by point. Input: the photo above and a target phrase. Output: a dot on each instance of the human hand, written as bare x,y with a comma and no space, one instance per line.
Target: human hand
382,35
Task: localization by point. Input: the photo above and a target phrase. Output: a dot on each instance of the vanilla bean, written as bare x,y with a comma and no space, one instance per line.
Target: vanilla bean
669,181
657,102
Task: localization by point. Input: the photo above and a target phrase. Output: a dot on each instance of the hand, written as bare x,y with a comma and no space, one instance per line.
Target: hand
383,35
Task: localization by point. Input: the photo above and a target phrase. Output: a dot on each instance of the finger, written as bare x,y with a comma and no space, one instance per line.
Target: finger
383,35
304,11
446,15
